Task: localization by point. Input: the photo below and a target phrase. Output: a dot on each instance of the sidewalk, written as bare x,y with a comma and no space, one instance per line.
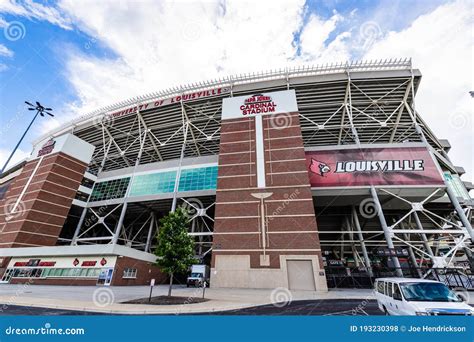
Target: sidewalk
109,299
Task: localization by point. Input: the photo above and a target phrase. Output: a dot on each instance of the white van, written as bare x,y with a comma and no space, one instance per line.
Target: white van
408,296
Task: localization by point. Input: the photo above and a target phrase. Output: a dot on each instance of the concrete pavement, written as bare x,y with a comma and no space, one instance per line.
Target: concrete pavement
110,299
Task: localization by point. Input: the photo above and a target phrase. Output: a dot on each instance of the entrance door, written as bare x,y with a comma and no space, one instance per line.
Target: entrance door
300,275
105,276
108,279
7,276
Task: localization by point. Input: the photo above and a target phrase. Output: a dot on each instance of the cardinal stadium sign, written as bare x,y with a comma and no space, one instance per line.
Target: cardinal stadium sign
258,104
276,102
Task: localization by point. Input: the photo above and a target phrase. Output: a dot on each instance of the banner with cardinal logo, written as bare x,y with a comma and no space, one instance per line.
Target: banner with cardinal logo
372,166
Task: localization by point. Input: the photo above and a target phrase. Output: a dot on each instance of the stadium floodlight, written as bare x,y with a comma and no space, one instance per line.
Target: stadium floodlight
41,110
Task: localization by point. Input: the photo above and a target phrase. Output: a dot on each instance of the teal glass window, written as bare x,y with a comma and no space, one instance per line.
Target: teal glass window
111,189
204,178
154,183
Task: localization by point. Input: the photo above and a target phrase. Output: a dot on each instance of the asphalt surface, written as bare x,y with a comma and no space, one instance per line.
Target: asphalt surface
326,307
16,310
335,307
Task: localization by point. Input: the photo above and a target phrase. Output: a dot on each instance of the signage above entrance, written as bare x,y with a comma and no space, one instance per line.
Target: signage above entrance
372,166
175,99
276,102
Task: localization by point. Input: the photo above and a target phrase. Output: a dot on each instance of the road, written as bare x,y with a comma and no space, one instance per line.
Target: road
336,307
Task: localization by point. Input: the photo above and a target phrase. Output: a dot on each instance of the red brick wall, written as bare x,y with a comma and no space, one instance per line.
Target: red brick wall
45,204
292,226
145,272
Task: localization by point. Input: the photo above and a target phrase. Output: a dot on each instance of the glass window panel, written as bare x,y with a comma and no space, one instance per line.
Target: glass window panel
111,189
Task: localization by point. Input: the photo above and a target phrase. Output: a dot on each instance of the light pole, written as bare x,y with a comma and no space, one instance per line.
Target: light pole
39,110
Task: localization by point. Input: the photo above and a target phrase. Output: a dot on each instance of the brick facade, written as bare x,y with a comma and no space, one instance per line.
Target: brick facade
291,223
45,188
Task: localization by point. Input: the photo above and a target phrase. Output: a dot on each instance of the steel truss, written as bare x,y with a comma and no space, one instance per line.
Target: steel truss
122,142
136,226
348,110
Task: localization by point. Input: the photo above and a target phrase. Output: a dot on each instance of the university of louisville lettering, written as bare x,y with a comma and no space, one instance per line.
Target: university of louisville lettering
175,99
379,165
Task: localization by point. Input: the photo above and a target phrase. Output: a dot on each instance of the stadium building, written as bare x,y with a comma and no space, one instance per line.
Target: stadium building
306,178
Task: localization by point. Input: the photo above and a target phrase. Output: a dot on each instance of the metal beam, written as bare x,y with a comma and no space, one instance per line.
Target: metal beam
386,230
355,219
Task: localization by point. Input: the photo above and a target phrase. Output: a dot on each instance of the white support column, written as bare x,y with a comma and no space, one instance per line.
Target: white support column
178,171
118,229
386,231
349,112
423,235
355,219
260,152
452,196
411,253
150,232
78,227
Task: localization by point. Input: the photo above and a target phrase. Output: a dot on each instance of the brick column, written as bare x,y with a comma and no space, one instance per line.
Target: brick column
238,252
37,202
45,194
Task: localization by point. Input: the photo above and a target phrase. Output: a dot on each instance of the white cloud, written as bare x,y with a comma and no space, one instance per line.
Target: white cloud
17,157
315,47
5,52
157,45
34,10
165,44
440,44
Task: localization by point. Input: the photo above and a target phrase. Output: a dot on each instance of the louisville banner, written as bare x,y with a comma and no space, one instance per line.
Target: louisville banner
372,166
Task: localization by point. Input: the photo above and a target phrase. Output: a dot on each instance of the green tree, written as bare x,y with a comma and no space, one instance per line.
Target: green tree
175,250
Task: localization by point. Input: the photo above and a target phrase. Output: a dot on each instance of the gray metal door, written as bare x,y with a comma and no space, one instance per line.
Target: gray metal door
300,275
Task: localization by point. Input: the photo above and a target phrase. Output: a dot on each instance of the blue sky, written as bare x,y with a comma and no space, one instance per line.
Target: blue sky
76,56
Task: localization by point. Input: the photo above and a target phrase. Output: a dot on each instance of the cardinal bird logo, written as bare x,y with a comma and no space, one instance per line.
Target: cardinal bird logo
318,167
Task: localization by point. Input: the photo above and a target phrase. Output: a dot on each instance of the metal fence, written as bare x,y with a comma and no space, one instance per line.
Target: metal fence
343,277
